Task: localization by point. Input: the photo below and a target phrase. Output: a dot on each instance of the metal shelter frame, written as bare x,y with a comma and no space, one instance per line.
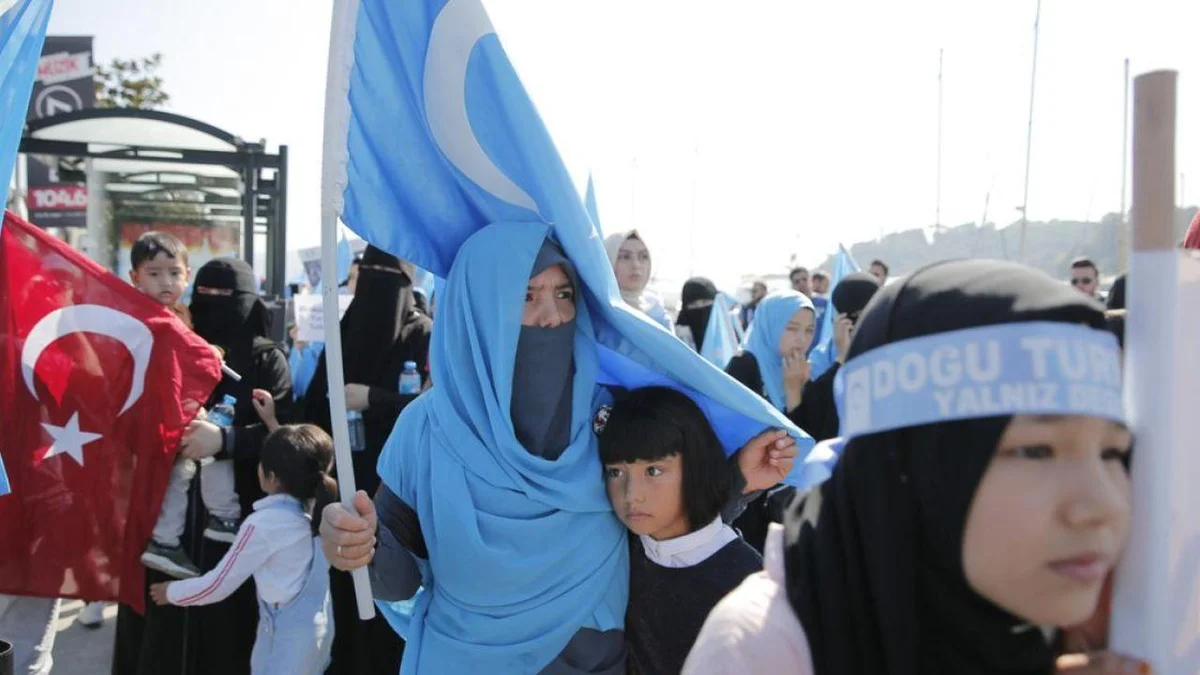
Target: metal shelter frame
262,175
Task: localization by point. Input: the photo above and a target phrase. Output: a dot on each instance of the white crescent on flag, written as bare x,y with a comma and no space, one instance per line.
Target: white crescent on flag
97,319
457,28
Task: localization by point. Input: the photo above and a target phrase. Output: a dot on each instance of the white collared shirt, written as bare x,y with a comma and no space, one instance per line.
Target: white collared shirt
690,549
273,544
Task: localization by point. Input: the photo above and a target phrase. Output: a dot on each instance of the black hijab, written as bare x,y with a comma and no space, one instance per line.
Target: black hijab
874,556
694,290
544,373
1116,294
854,292
231,322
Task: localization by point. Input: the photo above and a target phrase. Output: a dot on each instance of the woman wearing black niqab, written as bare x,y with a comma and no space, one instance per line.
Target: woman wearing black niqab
877,571
228,313
381,330
696,305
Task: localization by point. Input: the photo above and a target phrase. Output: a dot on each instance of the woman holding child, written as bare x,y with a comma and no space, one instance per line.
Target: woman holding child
492,496
227,312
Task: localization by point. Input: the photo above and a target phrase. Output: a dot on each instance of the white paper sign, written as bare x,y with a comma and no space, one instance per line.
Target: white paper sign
310,316
1156,605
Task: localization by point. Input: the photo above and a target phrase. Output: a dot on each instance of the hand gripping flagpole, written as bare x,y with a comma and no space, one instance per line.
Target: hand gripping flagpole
333,181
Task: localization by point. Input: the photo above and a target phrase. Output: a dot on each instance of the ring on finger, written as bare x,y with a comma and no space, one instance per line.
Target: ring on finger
339,550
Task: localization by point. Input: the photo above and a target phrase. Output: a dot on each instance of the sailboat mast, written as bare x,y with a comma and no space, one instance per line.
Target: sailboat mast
937,219
1029,135
1123,224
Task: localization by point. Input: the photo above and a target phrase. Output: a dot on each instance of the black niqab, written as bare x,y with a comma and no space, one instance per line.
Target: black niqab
383,302
231,322
696,289
874,556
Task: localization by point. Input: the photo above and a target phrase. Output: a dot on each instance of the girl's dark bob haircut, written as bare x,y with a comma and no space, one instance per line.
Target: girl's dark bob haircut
654,423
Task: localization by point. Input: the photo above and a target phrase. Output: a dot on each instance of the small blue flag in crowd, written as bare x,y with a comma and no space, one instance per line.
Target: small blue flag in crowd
593,211
22,31
824,352
721,339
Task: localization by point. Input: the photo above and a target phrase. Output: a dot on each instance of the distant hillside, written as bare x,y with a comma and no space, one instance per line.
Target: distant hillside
1049,247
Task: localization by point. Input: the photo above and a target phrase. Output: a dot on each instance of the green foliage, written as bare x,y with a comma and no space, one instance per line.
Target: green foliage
131,84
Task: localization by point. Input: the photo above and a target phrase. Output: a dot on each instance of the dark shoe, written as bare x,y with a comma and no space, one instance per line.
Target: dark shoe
170,560
220,529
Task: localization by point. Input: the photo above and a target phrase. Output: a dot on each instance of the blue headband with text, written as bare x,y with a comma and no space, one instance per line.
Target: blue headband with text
1034,368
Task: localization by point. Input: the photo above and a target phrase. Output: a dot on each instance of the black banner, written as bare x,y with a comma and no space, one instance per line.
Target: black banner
57,192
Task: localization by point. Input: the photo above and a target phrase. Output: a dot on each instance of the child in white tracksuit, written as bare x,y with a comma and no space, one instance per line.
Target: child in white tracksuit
276,544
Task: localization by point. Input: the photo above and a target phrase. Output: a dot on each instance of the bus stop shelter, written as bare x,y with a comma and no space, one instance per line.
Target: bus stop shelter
150,170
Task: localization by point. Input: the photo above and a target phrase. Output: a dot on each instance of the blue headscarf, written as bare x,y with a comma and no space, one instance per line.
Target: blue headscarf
762,340
523,551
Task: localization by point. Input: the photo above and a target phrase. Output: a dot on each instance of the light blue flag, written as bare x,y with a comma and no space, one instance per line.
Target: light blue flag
345,258
430,136
823,355
721,339
433,137
22,31
4,488
593,211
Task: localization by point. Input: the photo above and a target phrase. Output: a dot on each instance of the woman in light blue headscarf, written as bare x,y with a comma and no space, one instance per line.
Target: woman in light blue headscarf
774,363
497,548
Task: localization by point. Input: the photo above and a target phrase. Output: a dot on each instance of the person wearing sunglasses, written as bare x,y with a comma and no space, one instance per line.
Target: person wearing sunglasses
1085,276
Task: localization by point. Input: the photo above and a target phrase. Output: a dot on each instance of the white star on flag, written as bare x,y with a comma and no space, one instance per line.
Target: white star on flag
69,439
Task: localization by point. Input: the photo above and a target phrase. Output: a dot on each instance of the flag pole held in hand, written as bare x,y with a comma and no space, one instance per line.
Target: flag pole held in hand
333,181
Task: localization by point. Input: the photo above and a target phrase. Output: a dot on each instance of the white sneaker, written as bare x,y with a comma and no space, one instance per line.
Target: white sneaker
91,616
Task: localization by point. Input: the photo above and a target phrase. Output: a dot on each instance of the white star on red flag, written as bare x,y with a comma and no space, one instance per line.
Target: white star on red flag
69,439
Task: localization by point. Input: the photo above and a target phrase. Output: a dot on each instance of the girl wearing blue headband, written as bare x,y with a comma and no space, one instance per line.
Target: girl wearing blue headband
978,506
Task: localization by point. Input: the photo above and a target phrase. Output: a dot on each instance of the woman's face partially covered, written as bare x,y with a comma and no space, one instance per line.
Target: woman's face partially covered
549,299
1050,517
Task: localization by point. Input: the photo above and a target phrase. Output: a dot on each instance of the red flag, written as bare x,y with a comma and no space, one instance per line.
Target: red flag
96,381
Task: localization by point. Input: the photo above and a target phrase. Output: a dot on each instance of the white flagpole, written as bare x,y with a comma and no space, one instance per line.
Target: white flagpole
333,182
1156,610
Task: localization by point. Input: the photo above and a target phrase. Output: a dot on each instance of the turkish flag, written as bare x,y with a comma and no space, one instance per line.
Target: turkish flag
97,382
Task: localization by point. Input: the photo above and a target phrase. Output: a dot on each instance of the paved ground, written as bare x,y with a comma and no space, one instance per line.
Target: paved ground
83,651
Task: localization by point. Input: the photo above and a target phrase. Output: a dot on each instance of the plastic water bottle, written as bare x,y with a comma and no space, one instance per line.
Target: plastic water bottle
358,431
410,379
223,413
